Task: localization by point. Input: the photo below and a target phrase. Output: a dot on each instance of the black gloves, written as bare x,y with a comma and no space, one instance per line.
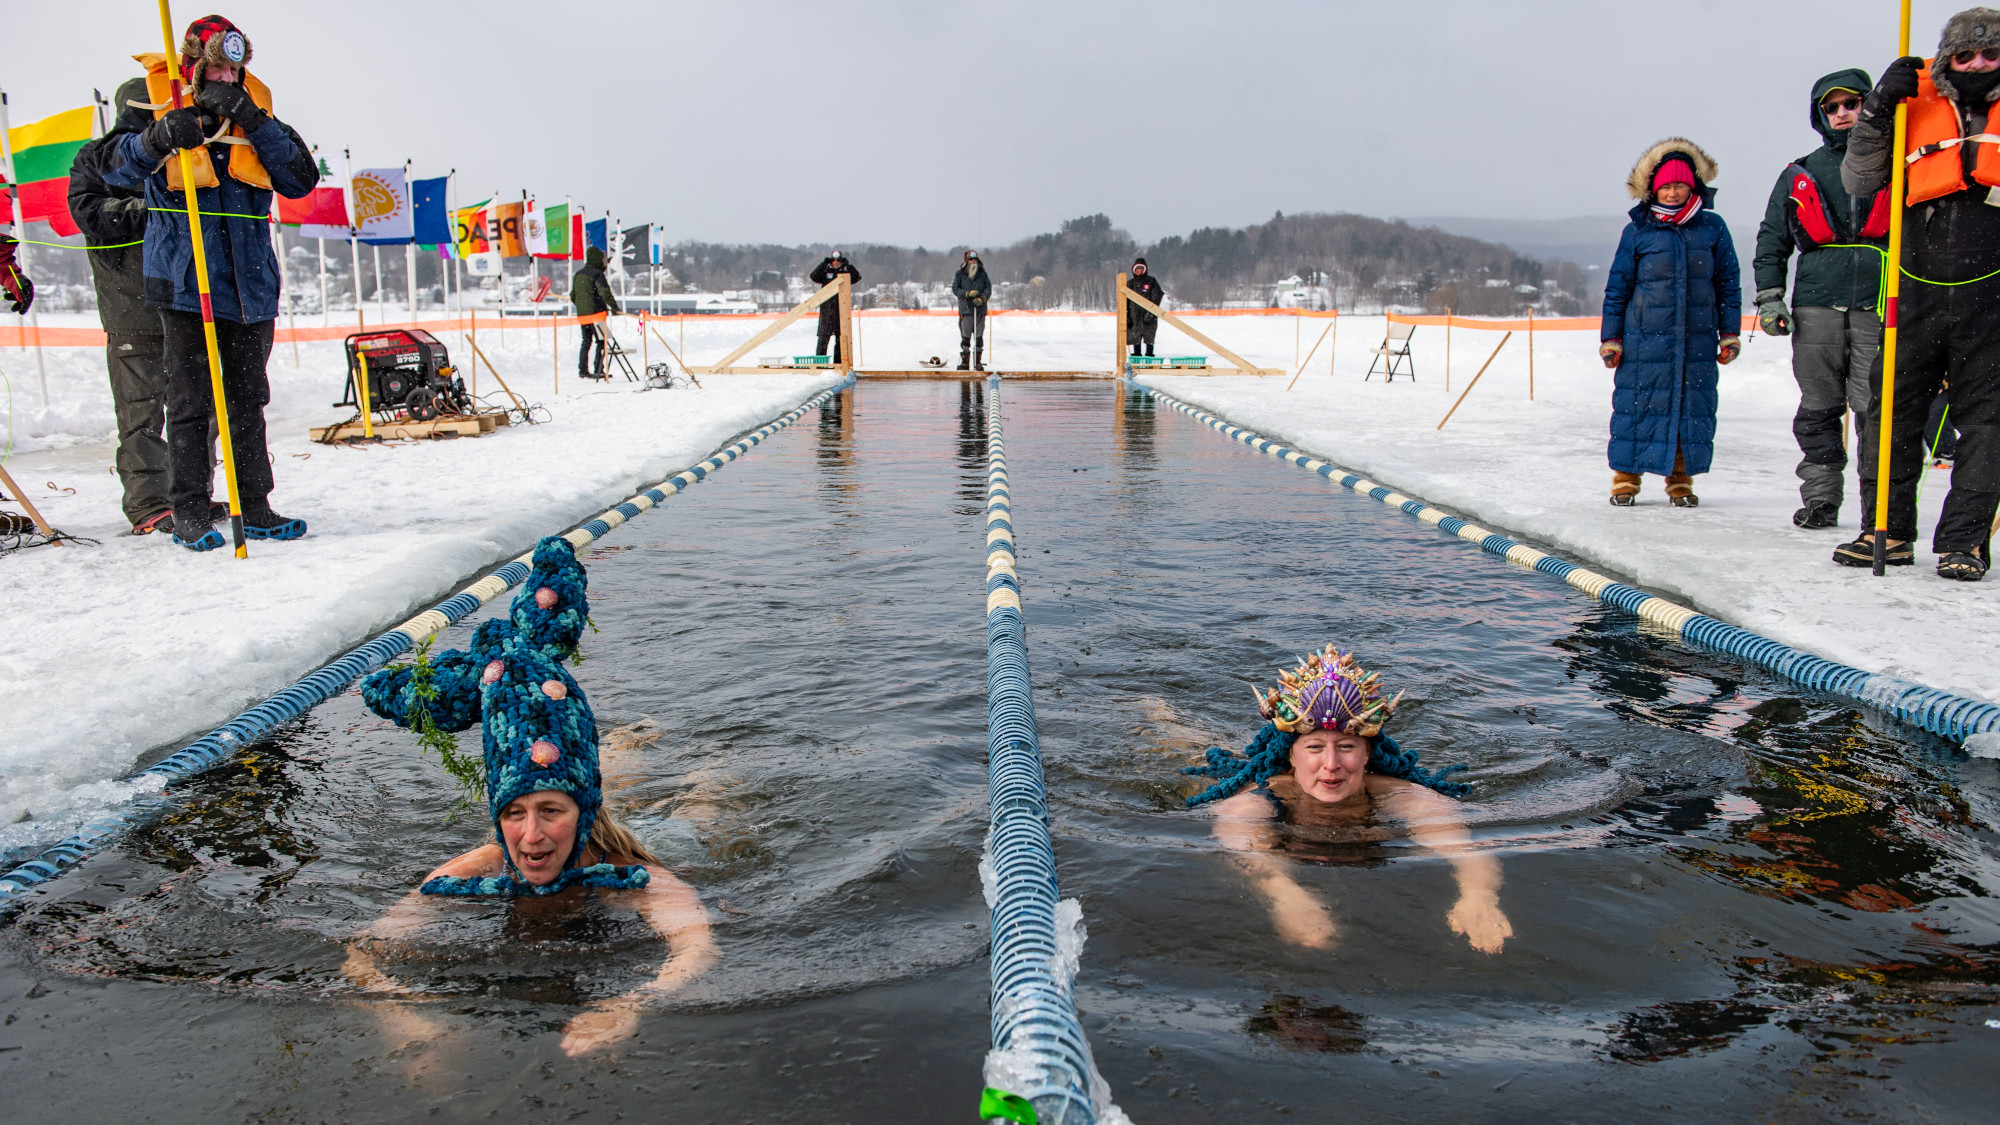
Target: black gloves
177,130
15,287
1899,83
227,99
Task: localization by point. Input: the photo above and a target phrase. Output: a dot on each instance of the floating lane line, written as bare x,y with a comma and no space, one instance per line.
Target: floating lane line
1953,716
1039,1051
259,722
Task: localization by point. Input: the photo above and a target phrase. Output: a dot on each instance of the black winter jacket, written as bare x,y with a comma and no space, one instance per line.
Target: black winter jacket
1830,276
1954,238
1148,286
112,216
829,311
590,293
965,287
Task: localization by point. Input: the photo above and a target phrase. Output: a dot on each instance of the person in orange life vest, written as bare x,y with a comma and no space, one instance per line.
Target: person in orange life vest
1673,302
240,153
1948,325
1834,323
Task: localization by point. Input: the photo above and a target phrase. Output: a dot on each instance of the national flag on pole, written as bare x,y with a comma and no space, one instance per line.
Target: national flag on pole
597,232
322,214
43,151
576,237
382,214
433,218
635,249
534,230
470,224
555,227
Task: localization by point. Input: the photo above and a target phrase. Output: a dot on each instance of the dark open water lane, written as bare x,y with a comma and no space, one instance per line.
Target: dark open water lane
1730,899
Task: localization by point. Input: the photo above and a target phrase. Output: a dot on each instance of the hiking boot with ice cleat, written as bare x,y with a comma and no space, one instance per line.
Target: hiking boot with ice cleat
197,535
1962,566
1624,499
162,520
1816,515
1861,552
268,524
1688,501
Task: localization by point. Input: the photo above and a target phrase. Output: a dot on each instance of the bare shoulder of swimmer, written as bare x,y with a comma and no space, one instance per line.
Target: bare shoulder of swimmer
482,860
1246,805
1417,806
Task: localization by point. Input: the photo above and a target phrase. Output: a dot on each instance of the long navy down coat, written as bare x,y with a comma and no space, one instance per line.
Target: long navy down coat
1673,292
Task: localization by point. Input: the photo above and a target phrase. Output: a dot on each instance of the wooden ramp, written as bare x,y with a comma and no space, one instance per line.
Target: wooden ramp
454,426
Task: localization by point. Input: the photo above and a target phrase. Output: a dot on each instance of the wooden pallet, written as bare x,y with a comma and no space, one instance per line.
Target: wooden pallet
455,426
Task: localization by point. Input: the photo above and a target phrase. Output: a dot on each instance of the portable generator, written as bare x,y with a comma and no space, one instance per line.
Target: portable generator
409,374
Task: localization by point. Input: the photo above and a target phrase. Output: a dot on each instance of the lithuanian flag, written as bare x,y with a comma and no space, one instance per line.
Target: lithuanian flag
42,152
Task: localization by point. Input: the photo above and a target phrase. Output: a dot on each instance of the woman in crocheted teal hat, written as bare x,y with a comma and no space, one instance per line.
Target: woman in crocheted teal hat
552,834
1322,768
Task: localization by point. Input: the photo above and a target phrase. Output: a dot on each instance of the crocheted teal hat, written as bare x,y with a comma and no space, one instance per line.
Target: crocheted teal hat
537,730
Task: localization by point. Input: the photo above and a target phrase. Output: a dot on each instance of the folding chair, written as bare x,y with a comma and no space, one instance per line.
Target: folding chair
1395,346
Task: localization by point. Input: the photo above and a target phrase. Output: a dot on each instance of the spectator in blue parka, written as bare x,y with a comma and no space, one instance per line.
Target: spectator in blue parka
1673,305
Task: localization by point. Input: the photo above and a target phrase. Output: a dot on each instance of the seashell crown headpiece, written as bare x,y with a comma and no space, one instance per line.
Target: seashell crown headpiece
1328,691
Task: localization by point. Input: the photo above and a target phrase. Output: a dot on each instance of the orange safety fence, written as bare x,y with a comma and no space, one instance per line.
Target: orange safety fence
27,337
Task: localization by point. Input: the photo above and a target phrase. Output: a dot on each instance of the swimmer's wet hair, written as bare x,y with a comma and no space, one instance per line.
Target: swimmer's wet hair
1270,754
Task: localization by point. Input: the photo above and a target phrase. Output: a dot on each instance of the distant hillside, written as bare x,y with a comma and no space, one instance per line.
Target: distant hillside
1588,240
1352,262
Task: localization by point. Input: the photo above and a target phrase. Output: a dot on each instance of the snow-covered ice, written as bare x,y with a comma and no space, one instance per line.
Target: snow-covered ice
116,650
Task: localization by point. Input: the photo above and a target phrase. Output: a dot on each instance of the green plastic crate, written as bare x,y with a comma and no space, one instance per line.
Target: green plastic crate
1187,361
812,360
1145,360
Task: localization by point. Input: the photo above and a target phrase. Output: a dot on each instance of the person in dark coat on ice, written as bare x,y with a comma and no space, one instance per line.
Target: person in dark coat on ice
590,294
1949,314
1140,325
1672,308
1834,321
830,267
233,185
972,285
113,220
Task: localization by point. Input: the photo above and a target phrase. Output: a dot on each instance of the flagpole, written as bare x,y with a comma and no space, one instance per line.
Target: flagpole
353,247
200,252
1896,181
20,228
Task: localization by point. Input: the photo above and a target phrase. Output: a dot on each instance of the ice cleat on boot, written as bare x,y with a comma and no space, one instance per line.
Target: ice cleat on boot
197,535
268,524
1861,552
1815,515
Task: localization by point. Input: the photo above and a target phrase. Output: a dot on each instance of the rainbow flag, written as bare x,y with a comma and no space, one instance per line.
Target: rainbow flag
43,151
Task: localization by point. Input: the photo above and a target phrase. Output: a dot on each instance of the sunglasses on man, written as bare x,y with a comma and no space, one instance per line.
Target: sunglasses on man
1842,105
1990,54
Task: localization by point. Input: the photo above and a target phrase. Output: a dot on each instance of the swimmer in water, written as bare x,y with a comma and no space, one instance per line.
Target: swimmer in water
1321,762
553,837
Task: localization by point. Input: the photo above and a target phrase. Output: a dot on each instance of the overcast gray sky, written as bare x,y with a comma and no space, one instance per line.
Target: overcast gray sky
942,122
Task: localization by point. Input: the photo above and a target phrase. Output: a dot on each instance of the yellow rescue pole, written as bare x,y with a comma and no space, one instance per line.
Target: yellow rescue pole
1889,319
201,282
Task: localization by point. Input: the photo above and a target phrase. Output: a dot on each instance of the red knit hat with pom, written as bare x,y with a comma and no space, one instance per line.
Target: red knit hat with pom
211,41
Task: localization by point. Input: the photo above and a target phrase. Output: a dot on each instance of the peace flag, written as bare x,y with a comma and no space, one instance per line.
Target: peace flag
503,230
43,151
382,214
470,224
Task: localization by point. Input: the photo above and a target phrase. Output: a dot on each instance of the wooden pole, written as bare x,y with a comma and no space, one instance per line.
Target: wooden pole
1531,355
1297,320
1119,323
829,290
200,254
1889,325
1242,364
846,322
677,357
1332,342
503,383
21,498
1475,379
1301,364
475,348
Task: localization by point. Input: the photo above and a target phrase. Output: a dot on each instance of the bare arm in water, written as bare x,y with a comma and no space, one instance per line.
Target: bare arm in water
1243,825
670,907
1435,825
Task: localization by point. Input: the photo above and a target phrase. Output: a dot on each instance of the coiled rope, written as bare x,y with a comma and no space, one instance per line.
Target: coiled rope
259,722
1956,717
1033,1007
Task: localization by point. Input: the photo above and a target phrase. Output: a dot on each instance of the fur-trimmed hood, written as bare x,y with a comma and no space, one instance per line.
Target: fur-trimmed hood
1640,183
1974,29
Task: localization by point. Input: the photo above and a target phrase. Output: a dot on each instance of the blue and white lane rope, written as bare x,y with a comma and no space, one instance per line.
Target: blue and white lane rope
1941,712
1039,1052
259,722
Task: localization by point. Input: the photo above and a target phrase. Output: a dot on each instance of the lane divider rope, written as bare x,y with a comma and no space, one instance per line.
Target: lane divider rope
259,722
1033,1005
1953,716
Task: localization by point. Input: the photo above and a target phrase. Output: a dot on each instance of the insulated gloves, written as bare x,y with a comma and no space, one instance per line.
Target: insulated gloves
1612,353
1732,346
177,130
1899,83
19,290
976,299
1772,313
230,100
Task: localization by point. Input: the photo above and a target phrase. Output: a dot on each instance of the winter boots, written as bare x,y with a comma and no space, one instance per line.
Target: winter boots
970,355
1680,487
965,355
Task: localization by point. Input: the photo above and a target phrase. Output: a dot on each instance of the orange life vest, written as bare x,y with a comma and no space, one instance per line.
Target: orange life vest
1936,167
243,163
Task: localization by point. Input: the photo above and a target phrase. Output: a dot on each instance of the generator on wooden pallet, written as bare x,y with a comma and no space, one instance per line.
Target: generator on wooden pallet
410,376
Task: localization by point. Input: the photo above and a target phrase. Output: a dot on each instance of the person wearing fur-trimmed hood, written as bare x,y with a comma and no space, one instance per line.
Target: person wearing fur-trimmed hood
1321,770
1673,305
1949,311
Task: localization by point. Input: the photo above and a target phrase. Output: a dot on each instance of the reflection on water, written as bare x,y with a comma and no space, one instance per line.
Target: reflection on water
1729,896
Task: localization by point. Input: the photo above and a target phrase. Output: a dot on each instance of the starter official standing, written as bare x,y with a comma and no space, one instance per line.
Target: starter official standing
973,286
1140,325
830,267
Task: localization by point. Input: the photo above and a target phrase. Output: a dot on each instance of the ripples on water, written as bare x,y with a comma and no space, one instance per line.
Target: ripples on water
1701,860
